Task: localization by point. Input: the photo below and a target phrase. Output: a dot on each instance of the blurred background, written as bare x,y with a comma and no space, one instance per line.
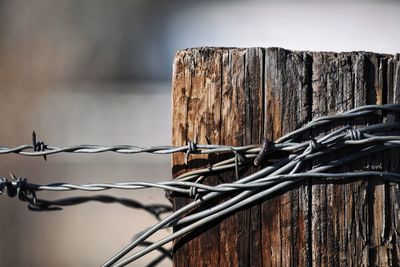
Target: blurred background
99,72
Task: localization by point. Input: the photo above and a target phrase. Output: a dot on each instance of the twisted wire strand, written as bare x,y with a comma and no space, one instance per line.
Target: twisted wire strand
351,114
126,149
179,185
191,147
243,199
278,174
284,165
271,178
296,160
185,187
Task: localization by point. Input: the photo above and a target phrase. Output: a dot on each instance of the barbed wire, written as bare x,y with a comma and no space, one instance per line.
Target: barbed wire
42,149
123,149
190,220
280,164
184,188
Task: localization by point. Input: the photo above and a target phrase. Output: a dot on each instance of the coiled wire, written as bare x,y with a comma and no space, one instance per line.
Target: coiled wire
272,177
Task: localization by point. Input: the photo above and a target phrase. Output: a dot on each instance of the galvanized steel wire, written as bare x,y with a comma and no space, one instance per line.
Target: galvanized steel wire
295,150
42,149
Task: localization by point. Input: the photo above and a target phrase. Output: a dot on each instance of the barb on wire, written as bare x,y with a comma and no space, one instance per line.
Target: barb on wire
247,189
282,165
124,149
27,192
200,218
369,138
42,149
38,146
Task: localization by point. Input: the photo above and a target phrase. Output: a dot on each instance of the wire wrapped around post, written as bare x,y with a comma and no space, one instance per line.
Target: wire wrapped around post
281,164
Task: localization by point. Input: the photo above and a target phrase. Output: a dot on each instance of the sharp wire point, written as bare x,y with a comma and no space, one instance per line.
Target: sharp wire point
13,177
34,143
286,168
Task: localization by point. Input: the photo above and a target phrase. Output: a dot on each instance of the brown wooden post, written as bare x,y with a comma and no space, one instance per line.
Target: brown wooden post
238,96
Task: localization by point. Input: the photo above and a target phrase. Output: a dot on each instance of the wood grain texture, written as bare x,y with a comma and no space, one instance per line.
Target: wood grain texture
285,218
197,88
338,235
237,97
350,220
241,123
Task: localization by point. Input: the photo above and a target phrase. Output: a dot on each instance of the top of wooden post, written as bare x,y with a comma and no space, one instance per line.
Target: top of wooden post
238,96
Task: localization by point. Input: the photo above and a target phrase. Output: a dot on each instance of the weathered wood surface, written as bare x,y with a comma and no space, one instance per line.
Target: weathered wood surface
239,96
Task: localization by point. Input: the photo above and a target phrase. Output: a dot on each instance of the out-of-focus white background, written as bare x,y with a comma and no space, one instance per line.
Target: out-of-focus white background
99,72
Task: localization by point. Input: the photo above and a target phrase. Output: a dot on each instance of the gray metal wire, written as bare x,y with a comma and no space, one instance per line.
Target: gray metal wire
123,149
283,171
245,198
42,149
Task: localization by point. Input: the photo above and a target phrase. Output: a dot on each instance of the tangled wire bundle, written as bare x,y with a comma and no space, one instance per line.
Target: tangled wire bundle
289,154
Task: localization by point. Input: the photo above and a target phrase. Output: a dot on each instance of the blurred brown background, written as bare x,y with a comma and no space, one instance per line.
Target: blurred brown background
98,72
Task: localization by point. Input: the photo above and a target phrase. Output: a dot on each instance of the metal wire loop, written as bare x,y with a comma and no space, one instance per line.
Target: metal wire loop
192,149
266,145
314,145
13,188
18,187
355,134
193,192
285,168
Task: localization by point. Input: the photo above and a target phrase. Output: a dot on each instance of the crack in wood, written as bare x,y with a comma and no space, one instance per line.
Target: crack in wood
239,96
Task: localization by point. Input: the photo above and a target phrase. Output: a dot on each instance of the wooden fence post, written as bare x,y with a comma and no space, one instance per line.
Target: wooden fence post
238,96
